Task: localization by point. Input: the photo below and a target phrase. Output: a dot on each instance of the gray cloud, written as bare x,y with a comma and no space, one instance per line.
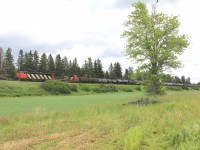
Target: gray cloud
111,52
17,42
123,3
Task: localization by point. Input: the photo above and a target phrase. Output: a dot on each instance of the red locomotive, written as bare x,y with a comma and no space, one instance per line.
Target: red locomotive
24,75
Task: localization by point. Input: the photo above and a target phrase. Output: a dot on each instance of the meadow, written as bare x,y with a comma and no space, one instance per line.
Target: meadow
100,121
15,106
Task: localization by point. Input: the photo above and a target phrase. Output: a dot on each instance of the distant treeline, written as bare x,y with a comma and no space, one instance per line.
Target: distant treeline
62,66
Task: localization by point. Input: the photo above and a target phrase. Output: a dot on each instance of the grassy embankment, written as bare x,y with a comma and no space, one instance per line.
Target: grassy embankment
19,88
107,124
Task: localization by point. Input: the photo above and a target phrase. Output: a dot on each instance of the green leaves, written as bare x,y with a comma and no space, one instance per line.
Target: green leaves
153,41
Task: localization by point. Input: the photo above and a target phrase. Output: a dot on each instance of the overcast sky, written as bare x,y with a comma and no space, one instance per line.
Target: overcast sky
89,28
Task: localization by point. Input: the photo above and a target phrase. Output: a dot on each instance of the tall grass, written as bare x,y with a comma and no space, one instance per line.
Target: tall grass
19,88
172,124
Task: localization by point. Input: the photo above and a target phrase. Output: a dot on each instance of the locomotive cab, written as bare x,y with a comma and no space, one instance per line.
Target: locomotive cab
21,75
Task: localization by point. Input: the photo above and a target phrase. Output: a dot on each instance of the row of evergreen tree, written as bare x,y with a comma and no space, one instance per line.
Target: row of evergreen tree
61,66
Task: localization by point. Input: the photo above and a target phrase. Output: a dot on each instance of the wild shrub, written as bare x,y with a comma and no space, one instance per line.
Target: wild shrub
127,89
195,87
174,88
138,88
86,88
185,87
102,88
56,87
73,87
112,88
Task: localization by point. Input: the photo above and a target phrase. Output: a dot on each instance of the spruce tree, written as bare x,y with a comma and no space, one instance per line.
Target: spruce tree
58,65
21,61
43,63
36,61
1,59
50,64
8,66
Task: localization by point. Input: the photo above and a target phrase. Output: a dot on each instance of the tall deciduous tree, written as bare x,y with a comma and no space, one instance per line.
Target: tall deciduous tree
154,43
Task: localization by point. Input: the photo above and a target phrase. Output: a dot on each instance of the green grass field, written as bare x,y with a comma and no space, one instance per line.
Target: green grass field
14,106
100,121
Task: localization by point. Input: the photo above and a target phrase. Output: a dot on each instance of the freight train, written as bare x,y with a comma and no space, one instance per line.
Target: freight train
75,78
30,76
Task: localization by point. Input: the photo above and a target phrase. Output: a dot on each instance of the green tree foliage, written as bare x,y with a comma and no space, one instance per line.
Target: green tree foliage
88,68
187,81
117,70
50,64
21,60
154,43
8,68
36,61
58,65
26,61
43,63
129,74
98,69
75,69
107,75
30,62
126,74
111,72
1,59
65,65
183,79
176,79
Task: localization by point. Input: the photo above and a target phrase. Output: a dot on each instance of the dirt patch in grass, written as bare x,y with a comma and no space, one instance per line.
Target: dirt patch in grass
81,139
